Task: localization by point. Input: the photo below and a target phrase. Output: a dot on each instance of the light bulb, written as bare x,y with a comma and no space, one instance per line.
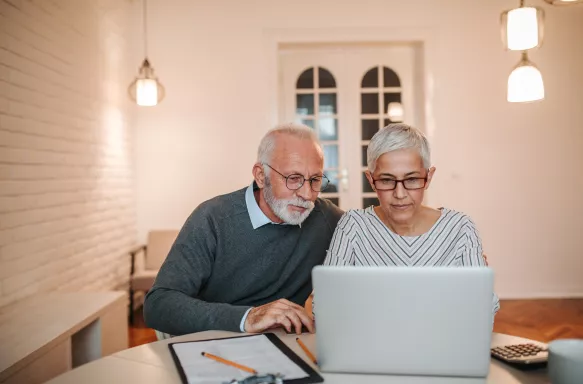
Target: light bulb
146,92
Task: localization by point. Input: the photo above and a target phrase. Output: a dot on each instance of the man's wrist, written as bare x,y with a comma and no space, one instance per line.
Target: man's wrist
242,325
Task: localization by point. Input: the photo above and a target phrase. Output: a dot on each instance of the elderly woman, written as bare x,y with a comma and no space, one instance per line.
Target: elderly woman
402,231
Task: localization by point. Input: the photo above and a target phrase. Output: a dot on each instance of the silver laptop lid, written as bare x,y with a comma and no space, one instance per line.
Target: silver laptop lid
404,320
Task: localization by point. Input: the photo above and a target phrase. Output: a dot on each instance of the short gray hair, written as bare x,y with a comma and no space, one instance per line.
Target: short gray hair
394,137
267,144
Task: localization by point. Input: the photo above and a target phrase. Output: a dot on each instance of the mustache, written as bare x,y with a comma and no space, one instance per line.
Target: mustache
298,201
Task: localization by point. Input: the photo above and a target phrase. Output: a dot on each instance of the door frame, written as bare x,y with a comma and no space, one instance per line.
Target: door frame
425,38
348,64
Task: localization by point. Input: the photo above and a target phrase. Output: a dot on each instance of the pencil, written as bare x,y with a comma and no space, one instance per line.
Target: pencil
229,362
310,354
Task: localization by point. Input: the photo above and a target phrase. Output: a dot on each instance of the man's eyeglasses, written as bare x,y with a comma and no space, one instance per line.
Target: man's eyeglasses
296,181
410,183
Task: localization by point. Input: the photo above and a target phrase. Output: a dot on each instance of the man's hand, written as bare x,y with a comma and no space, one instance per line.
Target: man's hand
280,313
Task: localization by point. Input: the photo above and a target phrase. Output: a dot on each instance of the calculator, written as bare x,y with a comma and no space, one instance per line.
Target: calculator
521,354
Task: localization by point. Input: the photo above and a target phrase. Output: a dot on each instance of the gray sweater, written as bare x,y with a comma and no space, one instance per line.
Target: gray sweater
219,266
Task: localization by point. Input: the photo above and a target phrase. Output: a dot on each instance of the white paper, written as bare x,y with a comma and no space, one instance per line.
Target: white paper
256,352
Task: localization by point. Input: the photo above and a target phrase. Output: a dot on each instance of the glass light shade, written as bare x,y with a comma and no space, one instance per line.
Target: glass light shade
525,83
146,90
522,28
395,111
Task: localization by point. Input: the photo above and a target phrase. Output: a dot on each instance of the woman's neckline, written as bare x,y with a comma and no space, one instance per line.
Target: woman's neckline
372,211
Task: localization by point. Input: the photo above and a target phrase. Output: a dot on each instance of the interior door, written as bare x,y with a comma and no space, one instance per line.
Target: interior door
346,94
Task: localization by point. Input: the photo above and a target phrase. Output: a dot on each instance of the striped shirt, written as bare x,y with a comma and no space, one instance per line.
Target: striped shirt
362,239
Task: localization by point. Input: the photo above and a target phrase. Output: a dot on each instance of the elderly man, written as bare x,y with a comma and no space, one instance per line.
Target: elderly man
243,261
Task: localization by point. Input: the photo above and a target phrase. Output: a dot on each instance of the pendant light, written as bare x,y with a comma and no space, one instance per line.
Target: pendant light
525,83
522,27
146,90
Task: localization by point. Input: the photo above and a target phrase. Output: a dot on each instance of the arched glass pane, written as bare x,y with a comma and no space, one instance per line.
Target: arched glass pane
308,122
390,78
305,104
369,103
364,151
327,104
325,79
306,79
371,78
328,128
330,156
369,128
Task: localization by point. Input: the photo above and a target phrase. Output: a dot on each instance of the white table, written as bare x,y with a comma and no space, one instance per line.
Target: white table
153,364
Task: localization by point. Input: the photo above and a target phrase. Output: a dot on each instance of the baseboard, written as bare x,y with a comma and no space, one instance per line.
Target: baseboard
541,295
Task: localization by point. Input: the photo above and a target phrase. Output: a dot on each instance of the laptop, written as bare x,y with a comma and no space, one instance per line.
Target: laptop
404,320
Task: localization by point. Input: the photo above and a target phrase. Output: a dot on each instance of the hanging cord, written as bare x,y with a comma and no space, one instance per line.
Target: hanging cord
145,15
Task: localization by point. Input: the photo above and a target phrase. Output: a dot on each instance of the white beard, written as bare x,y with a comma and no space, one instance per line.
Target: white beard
280,206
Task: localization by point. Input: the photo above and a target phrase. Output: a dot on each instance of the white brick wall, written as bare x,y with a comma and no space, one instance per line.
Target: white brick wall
67,215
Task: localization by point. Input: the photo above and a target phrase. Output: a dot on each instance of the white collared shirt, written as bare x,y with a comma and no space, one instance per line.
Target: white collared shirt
258,218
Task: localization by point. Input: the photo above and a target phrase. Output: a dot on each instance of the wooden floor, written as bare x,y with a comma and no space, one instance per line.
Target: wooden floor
542,320
138,332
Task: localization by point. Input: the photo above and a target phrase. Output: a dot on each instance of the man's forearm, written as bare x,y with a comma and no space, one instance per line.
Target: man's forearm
176,313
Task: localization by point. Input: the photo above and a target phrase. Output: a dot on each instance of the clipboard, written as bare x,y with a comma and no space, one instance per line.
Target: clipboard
313,376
